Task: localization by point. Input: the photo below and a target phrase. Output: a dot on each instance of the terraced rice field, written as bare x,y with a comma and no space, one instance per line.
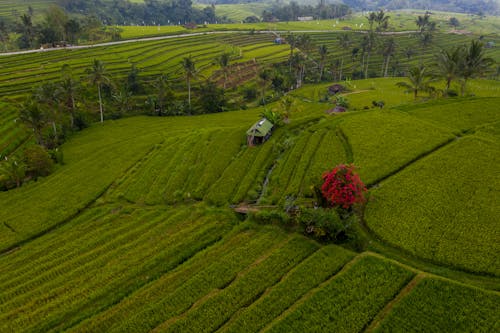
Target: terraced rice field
135,232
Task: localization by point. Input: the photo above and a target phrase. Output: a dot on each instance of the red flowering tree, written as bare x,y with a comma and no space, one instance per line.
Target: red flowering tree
342,187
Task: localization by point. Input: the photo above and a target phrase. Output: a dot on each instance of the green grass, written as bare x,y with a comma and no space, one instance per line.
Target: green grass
375,139
435,305
440,208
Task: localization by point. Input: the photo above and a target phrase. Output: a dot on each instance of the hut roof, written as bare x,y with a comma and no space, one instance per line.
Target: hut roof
260,128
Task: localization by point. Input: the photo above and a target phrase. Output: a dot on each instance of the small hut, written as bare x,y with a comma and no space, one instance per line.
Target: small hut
260,132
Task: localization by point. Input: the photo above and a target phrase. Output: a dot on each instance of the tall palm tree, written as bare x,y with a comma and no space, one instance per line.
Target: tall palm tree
475,64
223,62
323,52
388,50
97,76
419,81
292,41
34,117
344,42
426,30
382,20
368,45
67,91
449,63
45,95
190,73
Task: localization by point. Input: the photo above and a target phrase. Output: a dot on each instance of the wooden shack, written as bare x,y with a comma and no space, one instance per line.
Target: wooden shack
260,132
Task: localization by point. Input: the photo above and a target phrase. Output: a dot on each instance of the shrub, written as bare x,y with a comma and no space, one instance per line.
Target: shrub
38,161
342,187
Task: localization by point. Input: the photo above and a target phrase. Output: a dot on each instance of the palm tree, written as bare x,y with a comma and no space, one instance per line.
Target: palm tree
382,20
265,77
449,63
66,91
34,117
419,81
323,51
475,64
426,29
189,72
45,95
164,94
223,62
97,76
344,42
292,41
388,50
367,44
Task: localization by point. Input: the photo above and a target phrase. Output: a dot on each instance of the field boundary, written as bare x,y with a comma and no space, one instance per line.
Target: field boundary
313,291
388,307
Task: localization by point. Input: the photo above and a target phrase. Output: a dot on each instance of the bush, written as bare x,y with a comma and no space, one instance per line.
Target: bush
38,162
342,187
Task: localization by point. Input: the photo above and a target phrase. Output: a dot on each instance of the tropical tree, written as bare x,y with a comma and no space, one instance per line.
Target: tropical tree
287,105
189,73
388,50
67,91
34,117
323,52
449,63
12,172
475,63
164,94
223,62
382,20
97,76
367,45
46,96
344,42
299,65
426,30
292,41
418,79
264,80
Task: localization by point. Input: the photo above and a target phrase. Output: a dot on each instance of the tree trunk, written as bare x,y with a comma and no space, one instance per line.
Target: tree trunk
341,67
189,93
387,65
366,65
72,115
100,102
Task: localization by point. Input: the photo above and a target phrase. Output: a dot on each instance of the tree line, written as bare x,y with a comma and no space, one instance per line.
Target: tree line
149,12
91,21
291,11
479,7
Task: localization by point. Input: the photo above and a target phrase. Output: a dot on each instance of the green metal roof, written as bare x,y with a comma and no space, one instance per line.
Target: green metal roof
260,128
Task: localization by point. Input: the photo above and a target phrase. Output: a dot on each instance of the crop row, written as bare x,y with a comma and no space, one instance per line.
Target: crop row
375,139
348,301
436,305
176,292
71,189
99,277
439,208
214,311
307,275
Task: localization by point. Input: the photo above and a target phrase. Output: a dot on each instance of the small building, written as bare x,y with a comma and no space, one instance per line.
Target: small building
305,18
260,132
279,41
